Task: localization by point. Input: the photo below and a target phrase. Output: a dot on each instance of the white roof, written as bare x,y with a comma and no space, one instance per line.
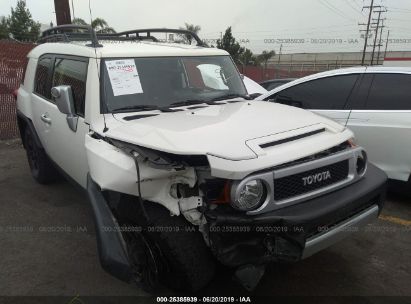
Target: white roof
124,49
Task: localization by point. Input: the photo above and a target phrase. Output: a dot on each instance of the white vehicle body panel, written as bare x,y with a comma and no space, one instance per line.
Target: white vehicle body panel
117,50
114,170
385,134
210,130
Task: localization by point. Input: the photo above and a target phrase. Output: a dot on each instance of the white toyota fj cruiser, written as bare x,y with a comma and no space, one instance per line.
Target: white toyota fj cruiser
180,166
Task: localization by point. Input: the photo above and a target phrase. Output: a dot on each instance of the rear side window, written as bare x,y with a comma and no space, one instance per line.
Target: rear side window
390,92
73,73
41,83
331,93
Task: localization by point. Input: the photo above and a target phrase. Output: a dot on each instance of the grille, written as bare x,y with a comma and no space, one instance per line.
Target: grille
298,184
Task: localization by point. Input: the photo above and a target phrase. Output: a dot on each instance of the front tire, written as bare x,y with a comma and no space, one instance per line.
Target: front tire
178,254
41,167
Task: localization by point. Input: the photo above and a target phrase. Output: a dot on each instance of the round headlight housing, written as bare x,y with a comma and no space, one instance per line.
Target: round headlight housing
250,195
362,163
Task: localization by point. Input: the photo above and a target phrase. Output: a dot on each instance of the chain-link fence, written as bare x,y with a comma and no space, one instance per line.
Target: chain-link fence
12,63
260,73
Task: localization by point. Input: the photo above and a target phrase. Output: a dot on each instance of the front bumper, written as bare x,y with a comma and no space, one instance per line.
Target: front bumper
296,232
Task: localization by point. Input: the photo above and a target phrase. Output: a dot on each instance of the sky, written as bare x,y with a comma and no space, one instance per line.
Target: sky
299,25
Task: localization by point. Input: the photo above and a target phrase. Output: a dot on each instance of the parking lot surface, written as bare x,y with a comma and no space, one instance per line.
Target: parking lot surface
48,248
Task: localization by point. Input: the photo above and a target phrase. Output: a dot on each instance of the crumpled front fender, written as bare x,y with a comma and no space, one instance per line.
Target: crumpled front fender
114,170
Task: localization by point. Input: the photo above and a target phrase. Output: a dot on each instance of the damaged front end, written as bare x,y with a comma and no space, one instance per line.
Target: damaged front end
153,176
263,218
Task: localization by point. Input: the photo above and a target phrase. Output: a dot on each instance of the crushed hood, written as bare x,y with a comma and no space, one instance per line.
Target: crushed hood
219,130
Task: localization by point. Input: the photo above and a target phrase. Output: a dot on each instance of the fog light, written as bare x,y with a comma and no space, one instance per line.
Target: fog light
362,163
250,196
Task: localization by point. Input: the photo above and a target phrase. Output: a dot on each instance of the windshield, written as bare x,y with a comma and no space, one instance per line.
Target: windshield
163,81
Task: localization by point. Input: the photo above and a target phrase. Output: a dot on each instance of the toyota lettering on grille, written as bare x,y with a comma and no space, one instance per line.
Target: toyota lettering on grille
316,178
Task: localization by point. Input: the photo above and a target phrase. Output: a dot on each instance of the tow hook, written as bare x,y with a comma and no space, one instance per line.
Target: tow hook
249,276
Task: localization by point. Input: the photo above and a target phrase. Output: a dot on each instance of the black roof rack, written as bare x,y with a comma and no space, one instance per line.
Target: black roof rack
71,32
135,34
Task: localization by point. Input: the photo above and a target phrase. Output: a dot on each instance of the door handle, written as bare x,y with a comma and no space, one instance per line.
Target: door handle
45,118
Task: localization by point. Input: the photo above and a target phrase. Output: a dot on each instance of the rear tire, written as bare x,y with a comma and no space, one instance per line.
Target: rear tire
184,262
41,168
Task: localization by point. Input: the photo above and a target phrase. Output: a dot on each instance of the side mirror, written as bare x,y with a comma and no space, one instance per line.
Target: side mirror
63,95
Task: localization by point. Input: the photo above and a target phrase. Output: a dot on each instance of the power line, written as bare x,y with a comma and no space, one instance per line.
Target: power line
334,10
400,9
356,10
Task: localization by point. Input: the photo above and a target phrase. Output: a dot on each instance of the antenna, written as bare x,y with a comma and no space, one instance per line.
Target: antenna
97,65
348,118
89,8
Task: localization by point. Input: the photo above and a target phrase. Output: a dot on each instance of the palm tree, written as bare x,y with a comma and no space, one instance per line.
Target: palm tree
101,26
192,28
79,21
265,56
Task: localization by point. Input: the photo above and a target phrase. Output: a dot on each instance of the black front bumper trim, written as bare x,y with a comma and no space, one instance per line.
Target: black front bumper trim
295,224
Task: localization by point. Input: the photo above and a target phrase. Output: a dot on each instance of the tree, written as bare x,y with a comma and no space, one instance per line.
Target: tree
79,21
229,44
21,24
192,28
101,26
265,56
248,58
4,28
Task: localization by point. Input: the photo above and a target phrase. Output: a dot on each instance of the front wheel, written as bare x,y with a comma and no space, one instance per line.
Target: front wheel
170,252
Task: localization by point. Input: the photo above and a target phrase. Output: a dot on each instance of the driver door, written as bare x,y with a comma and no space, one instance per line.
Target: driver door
64,146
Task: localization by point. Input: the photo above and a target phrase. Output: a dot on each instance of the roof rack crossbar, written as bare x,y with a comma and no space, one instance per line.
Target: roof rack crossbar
72,32
67,31
148,33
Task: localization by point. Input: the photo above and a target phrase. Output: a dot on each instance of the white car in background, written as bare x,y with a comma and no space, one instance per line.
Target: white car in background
374,102
253,87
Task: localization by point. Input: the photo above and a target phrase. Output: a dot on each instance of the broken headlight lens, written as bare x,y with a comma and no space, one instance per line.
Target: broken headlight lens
250,195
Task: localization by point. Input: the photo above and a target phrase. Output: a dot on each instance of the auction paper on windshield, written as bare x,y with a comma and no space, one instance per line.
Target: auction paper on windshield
124,77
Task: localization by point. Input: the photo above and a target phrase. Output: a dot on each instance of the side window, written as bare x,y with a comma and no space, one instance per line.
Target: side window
331,93
73,73
41,80
390,92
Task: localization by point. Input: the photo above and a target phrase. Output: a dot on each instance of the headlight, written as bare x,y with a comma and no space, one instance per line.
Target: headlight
249,196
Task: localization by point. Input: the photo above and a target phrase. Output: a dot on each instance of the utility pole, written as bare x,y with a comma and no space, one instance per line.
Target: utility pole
279,54
62,8
377,27
386,45
371,7
380,43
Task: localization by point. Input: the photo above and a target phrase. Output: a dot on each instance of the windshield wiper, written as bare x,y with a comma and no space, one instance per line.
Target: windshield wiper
231,96
190,102
135,108
141,108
